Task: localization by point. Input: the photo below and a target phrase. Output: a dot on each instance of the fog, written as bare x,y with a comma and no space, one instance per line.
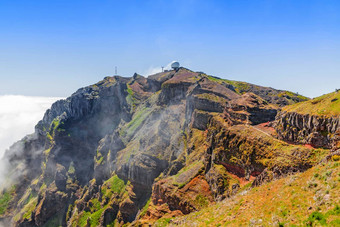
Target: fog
157,69
19,115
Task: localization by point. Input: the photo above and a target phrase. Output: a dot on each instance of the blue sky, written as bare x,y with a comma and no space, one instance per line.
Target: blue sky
51,48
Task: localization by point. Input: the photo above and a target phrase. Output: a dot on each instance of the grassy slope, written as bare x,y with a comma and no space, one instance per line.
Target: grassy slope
243,87
309,199
328,105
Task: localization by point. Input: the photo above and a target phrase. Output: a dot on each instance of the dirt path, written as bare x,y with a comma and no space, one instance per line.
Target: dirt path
265,129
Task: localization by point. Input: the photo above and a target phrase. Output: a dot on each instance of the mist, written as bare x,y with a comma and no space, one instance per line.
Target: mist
157,69
19,115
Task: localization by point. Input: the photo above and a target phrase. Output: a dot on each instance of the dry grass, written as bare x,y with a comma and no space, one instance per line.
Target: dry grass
288,201
326,105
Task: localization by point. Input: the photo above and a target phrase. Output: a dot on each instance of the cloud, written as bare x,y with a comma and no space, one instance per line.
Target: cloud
19,115
153,70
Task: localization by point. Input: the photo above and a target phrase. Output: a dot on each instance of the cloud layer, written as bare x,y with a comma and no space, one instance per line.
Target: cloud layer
153,70
19,115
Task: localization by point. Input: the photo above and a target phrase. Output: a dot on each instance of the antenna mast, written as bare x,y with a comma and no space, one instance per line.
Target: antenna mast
162,68
115,70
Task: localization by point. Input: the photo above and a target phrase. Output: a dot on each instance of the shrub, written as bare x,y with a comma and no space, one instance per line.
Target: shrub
336,158
316,216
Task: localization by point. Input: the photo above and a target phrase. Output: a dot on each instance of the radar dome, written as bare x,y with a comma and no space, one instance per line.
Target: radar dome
175,65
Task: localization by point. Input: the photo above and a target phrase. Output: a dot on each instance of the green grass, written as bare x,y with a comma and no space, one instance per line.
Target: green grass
145,208
93,216
325,105
83,218
99,160
162,222
71,169
243,87
240,87
5,199
96,216
288,201
291,94
95,205
201,201
29,208
321,218
112,185
211,97
130,98
136,121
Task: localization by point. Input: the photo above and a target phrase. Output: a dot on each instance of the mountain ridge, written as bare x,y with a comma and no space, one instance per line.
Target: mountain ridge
115,150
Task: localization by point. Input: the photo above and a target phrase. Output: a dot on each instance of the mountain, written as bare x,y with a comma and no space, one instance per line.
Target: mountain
142,151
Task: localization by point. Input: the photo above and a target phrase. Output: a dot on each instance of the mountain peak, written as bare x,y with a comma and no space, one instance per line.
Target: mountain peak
111,148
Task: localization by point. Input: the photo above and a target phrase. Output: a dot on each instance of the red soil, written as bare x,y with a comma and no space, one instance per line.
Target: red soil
239,173
266,128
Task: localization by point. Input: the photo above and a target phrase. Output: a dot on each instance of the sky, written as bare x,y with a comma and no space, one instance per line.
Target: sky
52,48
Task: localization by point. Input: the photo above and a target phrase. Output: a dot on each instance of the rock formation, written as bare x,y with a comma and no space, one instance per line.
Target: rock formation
117,151
318,131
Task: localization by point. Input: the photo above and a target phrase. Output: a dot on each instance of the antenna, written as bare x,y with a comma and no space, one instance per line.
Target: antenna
162,68
115,70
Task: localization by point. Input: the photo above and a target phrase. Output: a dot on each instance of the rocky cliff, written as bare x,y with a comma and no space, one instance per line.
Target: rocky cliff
133,150
318,131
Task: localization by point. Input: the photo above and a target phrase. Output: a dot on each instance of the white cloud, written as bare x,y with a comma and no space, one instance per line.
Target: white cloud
157,69
19,115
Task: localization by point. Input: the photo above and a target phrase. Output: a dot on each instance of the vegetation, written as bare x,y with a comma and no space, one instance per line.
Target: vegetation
325,105
136,121
201,201
195,165
5,199
291,94
92,217
240,87
243,87
211,97
71,169
29,208
288,201
162,222
130,98
145,208
112,185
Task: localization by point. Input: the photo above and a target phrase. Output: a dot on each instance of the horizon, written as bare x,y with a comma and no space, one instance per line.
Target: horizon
151,71
146,76
52,49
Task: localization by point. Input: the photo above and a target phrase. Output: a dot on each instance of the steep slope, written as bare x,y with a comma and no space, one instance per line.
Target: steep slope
274,96
304,199
232,158
325,105
314,122
115,150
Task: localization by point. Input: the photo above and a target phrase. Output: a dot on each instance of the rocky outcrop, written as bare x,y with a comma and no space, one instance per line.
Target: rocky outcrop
200,119
193,196
142,169
97,156
318,131
49,204
106,97
232,152
244,153
249,109
106,154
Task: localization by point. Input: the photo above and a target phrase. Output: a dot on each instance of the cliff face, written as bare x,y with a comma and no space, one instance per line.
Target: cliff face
318,131
115,151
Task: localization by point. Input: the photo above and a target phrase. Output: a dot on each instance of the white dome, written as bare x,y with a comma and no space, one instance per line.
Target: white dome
175,65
